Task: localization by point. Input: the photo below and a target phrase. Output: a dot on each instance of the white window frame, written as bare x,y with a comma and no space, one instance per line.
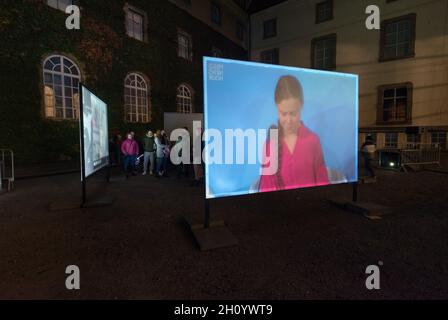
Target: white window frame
440,138
135,29
398,35
70,76
324,52
389,142
136,98
184,50
184,99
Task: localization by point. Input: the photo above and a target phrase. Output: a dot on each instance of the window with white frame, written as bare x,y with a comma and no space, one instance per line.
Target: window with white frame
413,140
61,78
323,55
59,4
398,38
440,138
396,103
391,140
184,99
185,46
135,23
136,98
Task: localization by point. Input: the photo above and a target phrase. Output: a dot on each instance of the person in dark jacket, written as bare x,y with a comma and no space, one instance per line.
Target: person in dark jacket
368,151
166,152
149,148
180,167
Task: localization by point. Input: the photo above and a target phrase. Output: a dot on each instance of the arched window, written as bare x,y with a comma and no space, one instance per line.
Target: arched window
136,98
61,96
184,99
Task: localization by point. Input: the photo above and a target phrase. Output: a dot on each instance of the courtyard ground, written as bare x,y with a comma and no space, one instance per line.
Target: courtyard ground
292,245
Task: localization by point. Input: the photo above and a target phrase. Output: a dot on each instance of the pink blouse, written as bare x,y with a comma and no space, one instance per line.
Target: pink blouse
304,167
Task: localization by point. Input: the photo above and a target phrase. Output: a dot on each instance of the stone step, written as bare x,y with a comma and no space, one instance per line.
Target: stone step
370,210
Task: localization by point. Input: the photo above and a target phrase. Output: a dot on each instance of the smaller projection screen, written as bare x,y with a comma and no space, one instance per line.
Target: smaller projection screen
93,133
270,128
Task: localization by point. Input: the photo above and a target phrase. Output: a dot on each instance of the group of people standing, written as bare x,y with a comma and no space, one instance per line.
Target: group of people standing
153,151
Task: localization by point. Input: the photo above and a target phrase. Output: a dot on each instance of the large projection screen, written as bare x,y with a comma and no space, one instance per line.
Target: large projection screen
93,133
315,114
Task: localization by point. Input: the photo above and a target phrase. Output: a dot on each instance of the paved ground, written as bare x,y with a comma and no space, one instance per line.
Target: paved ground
292,245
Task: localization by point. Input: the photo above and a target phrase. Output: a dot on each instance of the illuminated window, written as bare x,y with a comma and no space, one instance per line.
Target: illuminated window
136,98
184,99
59,4
395,103
61,79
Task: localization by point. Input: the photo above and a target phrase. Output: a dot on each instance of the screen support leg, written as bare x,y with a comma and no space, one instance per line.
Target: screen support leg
355,192
207,214
83,202
209,234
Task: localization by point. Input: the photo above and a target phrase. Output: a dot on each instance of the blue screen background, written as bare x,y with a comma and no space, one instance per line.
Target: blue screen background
244,98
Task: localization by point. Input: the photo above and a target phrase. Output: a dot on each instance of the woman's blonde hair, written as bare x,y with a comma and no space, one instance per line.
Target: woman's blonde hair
288,87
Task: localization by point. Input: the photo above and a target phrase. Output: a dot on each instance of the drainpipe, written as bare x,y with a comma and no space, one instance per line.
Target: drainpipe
249,38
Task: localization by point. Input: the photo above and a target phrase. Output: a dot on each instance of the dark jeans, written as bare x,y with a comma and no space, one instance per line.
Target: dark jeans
368,165
129,163
161,166
165,163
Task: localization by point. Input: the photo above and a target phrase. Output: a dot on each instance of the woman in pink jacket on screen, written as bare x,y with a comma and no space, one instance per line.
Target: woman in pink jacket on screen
300,158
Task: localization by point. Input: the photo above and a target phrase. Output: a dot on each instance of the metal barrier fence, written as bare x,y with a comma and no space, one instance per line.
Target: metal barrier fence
420,153
6,169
